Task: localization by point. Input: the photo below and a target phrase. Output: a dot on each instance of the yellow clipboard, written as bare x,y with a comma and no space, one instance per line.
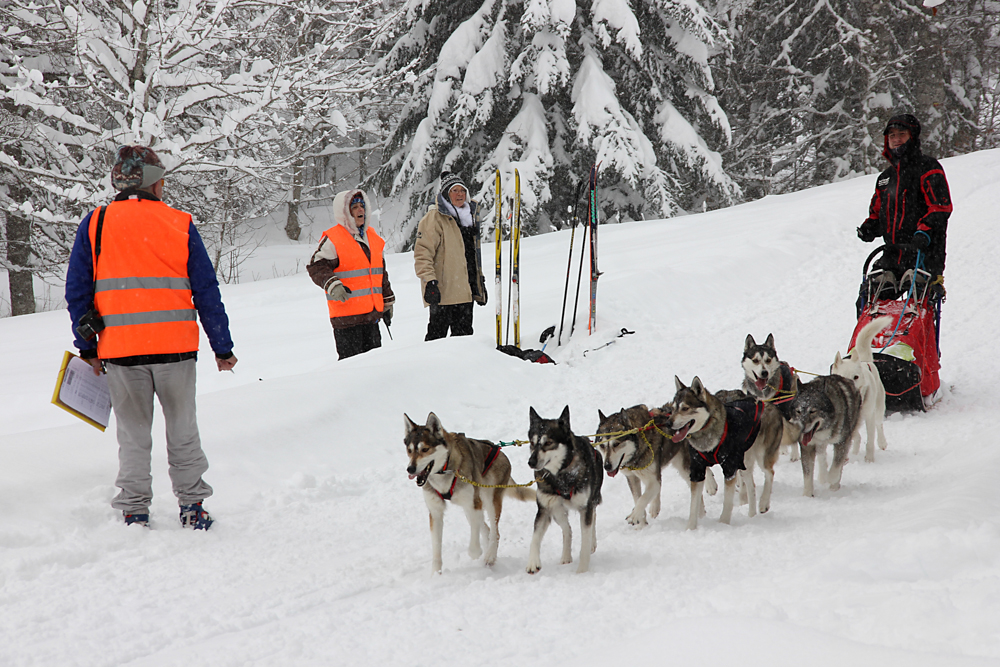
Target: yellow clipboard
81,393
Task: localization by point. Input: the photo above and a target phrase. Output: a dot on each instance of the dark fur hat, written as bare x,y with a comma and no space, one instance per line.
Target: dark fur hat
137,167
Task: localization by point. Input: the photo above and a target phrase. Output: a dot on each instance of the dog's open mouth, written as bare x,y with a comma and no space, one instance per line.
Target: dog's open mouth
760,382
612,473
807,437
682,433
422,476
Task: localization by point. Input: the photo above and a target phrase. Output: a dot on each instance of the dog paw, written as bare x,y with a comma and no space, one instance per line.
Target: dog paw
475,552
533,568
870,459
636,519
835,486
566,560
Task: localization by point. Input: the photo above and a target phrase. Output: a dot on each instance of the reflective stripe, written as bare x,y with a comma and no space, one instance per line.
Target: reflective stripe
107,284
151,317
375,271
358,292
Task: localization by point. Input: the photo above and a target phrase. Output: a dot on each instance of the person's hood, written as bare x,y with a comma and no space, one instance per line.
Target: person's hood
342,210
911,148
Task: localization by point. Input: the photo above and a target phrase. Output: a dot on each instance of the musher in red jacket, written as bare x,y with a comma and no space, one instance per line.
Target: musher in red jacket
911,206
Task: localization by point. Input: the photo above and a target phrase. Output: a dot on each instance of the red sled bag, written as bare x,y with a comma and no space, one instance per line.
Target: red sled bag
905,352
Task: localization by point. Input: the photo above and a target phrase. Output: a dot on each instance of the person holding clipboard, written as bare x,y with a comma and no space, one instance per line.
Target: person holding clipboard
138,273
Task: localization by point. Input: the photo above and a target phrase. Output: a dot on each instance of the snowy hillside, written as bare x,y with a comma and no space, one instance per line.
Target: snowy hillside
321,553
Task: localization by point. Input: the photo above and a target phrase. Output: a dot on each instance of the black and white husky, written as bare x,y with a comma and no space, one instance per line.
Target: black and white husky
767,378
733,435
568,474
473,474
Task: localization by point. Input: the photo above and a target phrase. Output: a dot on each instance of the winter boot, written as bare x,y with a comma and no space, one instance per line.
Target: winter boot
194,516
138,519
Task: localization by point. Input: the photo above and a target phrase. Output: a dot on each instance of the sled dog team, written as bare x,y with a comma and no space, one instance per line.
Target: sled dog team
737,430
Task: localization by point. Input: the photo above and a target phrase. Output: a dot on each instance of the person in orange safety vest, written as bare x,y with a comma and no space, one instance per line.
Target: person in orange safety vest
138,278
349,266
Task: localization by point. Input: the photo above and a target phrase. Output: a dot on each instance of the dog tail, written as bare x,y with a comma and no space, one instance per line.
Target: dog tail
525,493
863,343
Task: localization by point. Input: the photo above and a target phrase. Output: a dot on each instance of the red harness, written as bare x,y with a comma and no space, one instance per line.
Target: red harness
490,458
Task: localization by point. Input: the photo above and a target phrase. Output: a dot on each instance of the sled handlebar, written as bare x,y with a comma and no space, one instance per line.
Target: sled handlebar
903,247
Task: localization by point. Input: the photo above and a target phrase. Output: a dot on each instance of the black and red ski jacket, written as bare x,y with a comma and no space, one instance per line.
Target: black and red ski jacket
911,195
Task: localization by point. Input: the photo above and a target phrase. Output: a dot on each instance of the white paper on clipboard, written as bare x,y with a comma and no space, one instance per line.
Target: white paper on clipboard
86,392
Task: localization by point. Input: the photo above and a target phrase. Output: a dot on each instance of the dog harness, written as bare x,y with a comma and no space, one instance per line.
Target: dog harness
738,435
491,456
446,495
553,481
784,394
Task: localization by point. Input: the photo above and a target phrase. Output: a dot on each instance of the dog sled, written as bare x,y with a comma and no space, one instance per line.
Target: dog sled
908,361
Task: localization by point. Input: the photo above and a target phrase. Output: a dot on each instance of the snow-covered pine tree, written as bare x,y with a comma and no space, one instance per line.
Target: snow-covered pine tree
805,89
551,86
810,83
950,68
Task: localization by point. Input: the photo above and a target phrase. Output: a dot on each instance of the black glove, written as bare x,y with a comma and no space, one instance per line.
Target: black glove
866,235
387,315
921,240
432,294
482,290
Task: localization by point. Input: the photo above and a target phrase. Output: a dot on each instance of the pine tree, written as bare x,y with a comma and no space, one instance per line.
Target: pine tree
550,87
810,84
805,92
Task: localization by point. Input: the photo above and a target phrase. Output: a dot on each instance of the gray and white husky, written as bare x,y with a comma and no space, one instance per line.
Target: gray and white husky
568,474
734,435
642,456
439,461
860,368
827,411
769,379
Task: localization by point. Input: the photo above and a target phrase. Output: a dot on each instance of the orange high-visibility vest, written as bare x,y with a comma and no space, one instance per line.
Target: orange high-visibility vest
141,284
359,274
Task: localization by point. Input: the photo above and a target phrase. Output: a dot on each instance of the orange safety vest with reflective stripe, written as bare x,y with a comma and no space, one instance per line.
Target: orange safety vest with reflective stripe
359,274
141,284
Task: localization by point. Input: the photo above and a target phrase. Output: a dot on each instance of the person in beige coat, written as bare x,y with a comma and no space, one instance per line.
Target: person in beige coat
447,259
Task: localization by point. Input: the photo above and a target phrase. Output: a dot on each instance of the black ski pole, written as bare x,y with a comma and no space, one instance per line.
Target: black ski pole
569,261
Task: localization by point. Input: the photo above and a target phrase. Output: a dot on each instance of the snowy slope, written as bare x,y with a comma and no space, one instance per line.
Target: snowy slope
321,555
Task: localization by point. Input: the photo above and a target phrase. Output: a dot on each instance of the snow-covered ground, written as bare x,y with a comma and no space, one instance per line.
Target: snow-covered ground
321,555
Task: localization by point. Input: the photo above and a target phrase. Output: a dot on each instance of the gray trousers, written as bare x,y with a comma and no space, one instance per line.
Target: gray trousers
132,389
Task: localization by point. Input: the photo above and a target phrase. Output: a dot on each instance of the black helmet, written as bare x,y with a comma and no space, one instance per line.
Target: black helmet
904,121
